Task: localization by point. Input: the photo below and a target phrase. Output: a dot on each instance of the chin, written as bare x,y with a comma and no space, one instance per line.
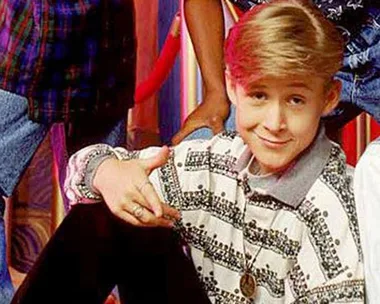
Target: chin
271,167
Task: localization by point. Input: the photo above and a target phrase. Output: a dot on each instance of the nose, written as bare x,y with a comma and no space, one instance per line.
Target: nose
275,118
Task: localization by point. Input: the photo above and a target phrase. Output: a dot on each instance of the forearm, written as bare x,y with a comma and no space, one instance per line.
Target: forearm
205,22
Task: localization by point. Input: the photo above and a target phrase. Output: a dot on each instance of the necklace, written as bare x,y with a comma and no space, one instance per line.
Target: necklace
247,283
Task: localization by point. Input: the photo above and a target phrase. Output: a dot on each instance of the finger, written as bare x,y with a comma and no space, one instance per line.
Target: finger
163,222
188,128
141,213
156,161
152,199
166,209
147,218
139,198
170,212
129,218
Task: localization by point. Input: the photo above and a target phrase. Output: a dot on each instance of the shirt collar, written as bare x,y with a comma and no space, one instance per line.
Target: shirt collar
295,182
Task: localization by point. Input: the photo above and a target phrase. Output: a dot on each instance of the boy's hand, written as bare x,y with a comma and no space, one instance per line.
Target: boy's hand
128,193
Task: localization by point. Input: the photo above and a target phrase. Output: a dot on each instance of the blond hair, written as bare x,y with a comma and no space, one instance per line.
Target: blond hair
282,38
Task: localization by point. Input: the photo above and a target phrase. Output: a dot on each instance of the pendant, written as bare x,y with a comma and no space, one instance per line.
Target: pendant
248,285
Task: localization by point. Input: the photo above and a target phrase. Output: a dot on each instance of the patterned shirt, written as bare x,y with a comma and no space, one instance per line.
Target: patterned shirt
296,233
67,57
346,13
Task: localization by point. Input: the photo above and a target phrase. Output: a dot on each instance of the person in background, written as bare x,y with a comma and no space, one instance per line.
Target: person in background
367,196
73,62
267,213
70,62
205,22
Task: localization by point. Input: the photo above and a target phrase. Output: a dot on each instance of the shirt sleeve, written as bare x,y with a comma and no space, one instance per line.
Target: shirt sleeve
83,165
367,196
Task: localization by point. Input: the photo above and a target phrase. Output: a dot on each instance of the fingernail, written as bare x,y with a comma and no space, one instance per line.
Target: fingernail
169,225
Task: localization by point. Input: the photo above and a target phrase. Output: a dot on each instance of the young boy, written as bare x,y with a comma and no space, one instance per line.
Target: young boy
268,213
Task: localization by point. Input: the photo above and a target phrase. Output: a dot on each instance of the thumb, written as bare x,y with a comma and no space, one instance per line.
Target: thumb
156,161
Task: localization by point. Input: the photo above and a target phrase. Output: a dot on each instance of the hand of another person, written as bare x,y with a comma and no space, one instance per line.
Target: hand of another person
127,191
212,113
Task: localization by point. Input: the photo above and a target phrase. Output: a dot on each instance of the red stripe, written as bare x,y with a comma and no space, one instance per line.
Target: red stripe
2,9
42,48
375,130
349,142
82,6
12,52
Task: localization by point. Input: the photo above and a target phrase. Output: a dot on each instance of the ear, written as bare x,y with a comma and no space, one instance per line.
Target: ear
332,96
230,86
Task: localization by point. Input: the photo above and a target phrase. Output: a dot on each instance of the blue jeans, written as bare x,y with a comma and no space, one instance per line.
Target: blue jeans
6,288
360,75
19,140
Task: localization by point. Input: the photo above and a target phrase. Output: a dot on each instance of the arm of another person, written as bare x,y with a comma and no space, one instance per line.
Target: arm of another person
124,181
205,22
367,196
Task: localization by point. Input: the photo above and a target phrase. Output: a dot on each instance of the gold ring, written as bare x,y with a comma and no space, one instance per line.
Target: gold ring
138,211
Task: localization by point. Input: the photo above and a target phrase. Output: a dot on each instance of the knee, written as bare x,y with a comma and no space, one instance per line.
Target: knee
89,221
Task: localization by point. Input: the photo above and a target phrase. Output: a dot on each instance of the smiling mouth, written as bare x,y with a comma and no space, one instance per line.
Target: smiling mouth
274,142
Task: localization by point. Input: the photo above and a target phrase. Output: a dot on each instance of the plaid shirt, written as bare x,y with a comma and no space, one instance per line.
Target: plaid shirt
69,57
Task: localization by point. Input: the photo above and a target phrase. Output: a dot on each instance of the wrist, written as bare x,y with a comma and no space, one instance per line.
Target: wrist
216,89
99,174
217,100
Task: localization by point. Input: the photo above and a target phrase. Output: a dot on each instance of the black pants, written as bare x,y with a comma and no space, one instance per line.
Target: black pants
92,251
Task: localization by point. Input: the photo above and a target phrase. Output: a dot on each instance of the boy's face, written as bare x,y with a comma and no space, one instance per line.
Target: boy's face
278,118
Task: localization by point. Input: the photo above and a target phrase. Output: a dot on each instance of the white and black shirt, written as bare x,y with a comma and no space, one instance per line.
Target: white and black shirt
300,228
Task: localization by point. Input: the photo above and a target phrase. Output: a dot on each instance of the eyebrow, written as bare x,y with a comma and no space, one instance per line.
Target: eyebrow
292,85
258,86
300,85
